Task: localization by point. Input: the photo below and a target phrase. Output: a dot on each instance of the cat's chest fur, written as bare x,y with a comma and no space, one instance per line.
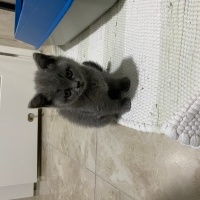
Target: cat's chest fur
96,84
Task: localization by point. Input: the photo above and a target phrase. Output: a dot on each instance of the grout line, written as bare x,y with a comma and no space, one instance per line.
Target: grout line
115,187
69,157
14,55
95,173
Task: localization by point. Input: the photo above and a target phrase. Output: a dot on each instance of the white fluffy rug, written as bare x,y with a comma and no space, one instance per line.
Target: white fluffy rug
184,125
157,44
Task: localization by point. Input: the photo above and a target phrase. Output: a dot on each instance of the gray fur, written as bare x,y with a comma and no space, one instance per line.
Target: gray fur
95,96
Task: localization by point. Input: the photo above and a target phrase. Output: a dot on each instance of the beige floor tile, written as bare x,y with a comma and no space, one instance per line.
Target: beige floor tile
47,49
79,143
105,191
7,20
147,166
70,181
46,161
44,193
44,185
62,178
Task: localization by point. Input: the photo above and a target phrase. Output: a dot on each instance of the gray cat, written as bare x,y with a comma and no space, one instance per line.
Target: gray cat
83,93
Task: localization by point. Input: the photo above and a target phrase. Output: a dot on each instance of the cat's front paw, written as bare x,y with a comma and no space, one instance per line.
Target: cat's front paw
126,104
125,84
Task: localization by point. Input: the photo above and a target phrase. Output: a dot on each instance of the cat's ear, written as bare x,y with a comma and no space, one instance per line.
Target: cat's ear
39,101
43,61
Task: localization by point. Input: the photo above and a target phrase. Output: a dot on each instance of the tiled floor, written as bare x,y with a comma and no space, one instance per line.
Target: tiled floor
113,163
7,21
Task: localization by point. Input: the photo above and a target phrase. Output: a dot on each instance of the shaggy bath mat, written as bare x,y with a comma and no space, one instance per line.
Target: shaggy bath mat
157,44
184,125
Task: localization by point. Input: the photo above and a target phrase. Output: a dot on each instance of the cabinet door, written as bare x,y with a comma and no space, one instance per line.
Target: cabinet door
18,136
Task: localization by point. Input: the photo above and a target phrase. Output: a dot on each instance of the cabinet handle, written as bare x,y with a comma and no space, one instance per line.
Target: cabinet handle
31,117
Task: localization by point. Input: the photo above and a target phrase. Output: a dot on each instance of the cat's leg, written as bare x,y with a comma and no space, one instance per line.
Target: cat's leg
114,107
87,118
104,120
122,84
93,64
117,86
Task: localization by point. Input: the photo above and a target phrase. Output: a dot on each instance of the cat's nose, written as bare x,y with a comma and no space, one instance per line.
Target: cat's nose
76,84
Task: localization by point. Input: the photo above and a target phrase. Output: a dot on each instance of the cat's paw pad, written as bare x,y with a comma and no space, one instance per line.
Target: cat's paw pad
126,103
125,84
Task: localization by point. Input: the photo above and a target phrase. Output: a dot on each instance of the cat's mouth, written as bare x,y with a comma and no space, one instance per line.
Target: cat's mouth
83,85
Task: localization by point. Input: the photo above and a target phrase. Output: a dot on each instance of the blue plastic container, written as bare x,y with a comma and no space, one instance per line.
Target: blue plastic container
36,19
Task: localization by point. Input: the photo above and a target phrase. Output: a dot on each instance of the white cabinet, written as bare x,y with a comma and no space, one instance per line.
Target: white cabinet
18,136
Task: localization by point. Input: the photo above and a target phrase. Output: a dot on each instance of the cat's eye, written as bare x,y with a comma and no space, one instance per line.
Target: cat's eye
67,93
68,73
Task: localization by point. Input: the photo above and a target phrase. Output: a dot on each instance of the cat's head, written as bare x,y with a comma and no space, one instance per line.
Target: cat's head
58,82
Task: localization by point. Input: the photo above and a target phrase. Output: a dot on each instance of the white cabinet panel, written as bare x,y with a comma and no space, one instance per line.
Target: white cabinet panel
18,136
